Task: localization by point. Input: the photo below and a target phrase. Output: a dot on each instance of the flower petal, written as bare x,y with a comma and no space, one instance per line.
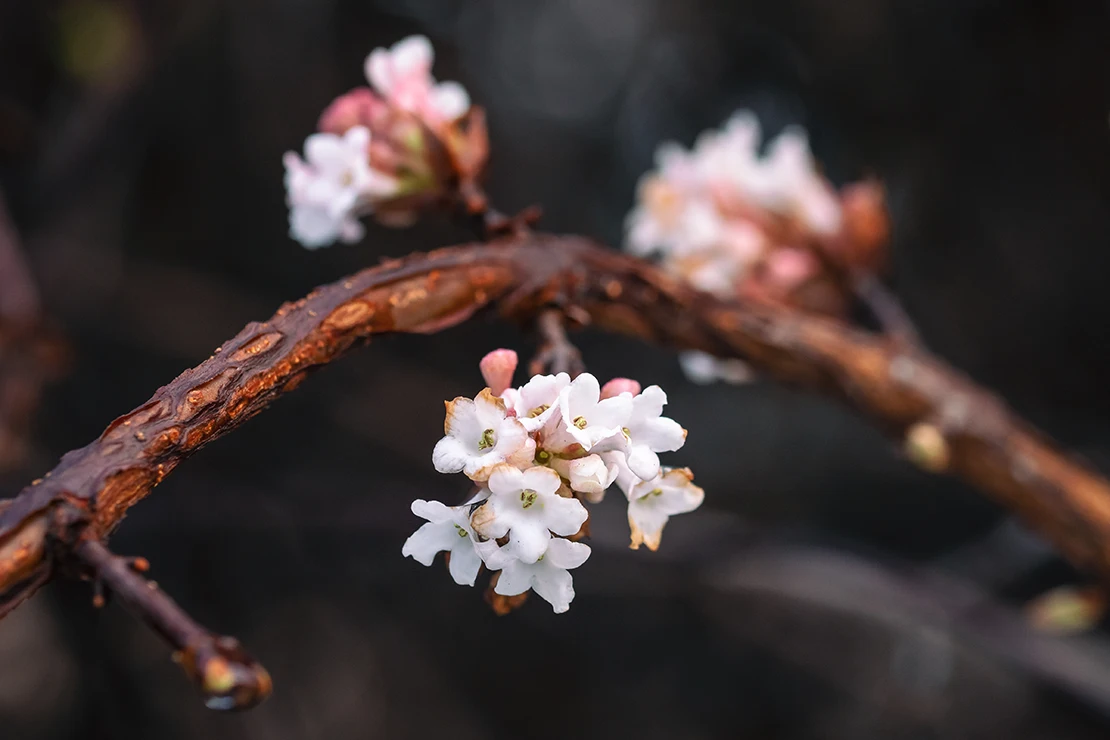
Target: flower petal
564,516
433,511
450,455
465,564
543,481
515,578
555,586
566,554
643,462
506,480
528,543
430,539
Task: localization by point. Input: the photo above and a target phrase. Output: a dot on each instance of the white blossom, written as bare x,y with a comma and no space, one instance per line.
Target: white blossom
548,576
327,188
526,505
589,475
587,419
537,401
653,502
402,75
480,435
648,432
448,530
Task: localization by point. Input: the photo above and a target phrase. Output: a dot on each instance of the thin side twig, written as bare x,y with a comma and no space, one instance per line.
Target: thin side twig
227,677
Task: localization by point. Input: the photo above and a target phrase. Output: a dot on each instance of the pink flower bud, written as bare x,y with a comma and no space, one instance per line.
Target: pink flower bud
359,107
498,368
617,386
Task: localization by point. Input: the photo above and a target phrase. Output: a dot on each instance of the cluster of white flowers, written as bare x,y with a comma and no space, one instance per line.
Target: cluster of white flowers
536,452
714,212
338,179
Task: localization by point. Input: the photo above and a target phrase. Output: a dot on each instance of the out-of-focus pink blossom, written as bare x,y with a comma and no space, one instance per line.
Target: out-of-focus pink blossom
402,75
327,190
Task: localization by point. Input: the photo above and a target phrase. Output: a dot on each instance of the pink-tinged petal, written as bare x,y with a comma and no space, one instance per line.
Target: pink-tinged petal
617,386
497,369
528,543
554,586
566,554
450,455
433,511
515,578
564,516
429,540
543,481
464,566
359,107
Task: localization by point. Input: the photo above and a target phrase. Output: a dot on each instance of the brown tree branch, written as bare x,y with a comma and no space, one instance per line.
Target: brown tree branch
227,677
955,426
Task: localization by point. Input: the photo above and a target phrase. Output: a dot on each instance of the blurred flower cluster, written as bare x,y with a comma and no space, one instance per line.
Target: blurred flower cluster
536,452
388,149
767,227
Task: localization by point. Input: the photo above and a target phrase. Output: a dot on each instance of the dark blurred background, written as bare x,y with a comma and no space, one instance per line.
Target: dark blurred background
825,590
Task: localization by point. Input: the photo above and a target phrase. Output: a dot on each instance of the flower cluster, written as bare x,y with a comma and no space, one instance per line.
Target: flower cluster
386,149
536,452
735,223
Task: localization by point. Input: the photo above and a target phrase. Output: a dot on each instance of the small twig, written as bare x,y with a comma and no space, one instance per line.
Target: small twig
557,353
226,676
